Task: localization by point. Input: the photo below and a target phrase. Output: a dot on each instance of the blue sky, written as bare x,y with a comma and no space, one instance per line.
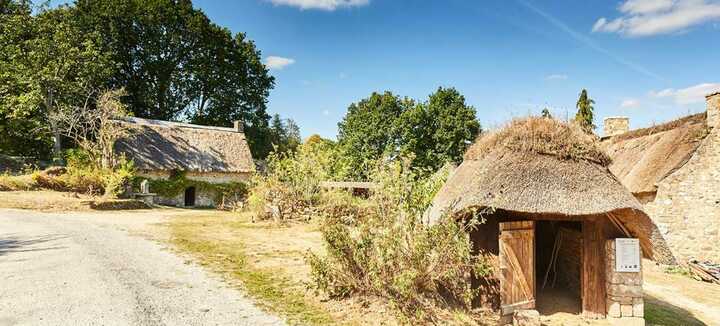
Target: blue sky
651,60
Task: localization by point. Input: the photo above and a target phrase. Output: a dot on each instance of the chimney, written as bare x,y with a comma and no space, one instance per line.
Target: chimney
239,126
616,125
713,110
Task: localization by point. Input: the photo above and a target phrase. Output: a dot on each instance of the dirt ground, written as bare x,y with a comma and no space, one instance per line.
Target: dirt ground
279,252
671,299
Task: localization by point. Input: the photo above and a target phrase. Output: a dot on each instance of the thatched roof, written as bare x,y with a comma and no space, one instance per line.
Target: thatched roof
641,158
163,146
535,166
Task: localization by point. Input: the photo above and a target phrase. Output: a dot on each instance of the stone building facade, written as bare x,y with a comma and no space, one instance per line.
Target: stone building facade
163,150
675,171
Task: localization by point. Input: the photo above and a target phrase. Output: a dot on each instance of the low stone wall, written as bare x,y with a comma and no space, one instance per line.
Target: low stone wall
624,291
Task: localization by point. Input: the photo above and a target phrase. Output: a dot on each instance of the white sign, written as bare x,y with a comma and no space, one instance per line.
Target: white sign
627,255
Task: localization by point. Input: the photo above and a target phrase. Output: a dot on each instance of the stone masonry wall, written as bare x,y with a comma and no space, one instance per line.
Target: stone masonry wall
615,125
202,198
687,206
624,291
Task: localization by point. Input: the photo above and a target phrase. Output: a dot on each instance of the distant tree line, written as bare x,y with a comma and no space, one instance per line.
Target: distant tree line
171,60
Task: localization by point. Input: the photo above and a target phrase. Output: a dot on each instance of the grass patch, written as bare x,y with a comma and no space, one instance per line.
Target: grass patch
660,314
273,291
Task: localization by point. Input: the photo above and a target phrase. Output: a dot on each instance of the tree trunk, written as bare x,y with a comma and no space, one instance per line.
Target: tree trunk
54,128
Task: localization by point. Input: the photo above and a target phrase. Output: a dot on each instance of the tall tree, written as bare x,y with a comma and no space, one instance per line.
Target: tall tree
437,131
285,134
365,133
176,64
585,116
56,66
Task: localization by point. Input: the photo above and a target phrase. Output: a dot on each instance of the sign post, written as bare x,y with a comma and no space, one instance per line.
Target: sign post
627,255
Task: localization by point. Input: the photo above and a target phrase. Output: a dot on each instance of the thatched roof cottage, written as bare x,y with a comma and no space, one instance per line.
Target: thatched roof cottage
674,170
165,150
555,210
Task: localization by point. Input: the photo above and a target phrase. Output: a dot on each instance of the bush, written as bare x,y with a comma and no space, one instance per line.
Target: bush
291,189
10,182
422,270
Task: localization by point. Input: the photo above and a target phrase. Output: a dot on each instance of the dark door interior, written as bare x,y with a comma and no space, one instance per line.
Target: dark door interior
190,196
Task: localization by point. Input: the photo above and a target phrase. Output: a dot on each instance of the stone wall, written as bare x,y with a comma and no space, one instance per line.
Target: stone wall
203,198
686,208
624,291
615,125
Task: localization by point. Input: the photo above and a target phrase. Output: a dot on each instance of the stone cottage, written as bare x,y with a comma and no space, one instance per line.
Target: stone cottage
674,170
194,154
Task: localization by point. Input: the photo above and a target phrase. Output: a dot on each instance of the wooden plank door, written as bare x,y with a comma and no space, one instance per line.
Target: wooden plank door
517,266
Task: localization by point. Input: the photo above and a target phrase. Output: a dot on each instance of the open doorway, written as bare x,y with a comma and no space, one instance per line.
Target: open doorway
190,197
558,267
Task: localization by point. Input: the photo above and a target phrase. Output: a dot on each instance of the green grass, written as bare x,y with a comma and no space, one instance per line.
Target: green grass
274,293
663,315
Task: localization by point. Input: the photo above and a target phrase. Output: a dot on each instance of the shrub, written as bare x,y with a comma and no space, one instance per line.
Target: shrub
421,270
291,189
10,182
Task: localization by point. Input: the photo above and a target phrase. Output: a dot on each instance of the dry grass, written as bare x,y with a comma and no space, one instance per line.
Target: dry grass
54,201
268,261
10,182
542,136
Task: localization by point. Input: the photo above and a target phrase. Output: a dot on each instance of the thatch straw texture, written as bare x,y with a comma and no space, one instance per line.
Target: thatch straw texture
163,146
535,166
642,158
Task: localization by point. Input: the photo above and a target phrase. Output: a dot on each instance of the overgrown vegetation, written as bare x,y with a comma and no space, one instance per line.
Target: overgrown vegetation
543,136
291,187
389,252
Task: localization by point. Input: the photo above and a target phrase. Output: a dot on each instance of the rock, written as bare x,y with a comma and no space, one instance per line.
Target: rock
639,309
626,310
613,309
526,318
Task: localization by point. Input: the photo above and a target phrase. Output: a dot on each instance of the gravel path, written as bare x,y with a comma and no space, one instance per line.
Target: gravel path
92,269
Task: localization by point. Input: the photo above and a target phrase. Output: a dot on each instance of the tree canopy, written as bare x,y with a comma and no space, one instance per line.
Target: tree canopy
432,133
173,62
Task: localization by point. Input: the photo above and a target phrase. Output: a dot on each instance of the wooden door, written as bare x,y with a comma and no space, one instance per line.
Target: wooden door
517,266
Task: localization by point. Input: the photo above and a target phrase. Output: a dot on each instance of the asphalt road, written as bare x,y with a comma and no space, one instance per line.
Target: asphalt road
91,269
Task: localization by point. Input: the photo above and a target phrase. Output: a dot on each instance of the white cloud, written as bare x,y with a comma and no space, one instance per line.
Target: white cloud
328,5
278,63
630,103
652,17
690,95
556,77
326,112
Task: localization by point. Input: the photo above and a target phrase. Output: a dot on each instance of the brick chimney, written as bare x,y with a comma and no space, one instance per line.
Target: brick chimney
614,126
713,110
239,126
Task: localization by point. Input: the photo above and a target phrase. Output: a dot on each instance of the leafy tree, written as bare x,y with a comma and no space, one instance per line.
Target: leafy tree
55,66
176,64
365,133
285,134
585,108
437,131
546,113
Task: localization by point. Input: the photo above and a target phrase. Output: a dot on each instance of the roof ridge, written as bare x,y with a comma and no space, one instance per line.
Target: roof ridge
172,124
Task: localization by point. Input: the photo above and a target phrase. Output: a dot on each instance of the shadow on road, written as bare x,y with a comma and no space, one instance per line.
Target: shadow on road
11,243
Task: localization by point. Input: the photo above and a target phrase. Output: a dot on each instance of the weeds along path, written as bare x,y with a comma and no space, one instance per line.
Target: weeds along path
84,268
